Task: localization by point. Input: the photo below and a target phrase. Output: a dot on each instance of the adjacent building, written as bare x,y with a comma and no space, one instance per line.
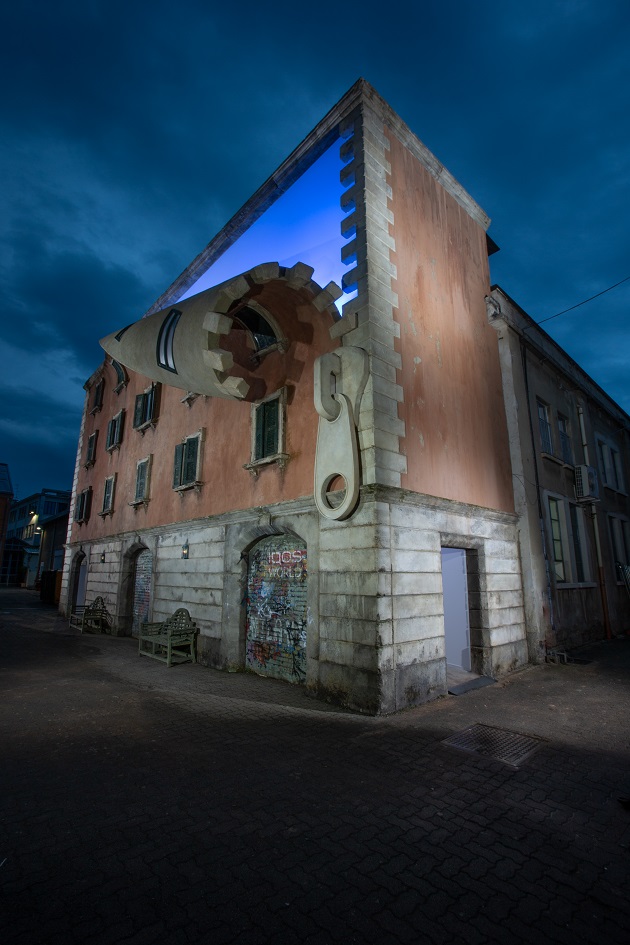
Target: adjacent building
305,440
21,563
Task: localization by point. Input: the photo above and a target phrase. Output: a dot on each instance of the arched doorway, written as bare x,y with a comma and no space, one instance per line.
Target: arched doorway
142,575
276,608
79,581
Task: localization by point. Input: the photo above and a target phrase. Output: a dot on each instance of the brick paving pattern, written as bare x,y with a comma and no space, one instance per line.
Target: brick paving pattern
146,805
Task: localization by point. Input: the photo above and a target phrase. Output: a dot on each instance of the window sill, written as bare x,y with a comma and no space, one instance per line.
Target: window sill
105,513
143,427
138,502
587,585
281,459
188,486
89,464
96,410
615,491
553,458
112,448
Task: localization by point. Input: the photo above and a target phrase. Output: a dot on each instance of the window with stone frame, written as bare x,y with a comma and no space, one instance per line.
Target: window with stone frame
97,396
187,462
115,431
90,453
268,431
558,539
143,480
619,539
566,447
610,465
147,407
83,505
108,496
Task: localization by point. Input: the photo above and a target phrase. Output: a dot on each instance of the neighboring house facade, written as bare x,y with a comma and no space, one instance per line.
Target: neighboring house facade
6,498
570,455
304,441
26,518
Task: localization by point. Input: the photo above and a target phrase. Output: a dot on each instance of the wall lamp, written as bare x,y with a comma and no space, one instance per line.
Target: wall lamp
102,557
185,550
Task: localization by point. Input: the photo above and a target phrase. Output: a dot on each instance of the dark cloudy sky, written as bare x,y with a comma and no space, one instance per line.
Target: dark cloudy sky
132,131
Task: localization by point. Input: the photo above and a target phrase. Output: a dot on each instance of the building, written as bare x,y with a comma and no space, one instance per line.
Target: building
6,497
26,518
304,440
569,445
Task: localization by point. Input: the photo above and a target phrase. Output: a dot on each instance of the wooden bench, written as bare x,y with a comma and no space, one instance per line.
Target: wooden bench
171,641
91,618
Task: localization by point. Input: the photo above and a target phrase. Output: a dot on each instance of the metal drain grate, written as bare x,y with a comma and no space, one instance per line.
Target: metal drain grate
509,747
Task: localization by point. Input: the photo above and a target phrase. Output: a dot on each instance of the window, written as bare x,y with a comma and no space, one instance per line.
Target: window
143,475
187,462
97,396
147,408
557,543
268,424
83,506
610,464
121,376
108,496
544,427
90,453
620,538
578,538
261,331
115,431
566,448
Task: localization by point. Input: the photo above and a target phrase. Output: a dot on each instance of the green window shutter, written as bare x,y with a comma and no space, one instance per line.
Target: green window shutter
177,466
191,453
271,424
107,495
121,427
88,505
110,434
156,392
141,481
258,432
138,411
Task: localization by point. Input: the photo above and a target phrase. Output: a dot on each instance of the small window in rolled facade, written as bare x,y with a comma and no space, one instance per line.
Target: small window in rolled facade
121,376
97,396
108,496
187,462
147,408
115,431
90,453
83,505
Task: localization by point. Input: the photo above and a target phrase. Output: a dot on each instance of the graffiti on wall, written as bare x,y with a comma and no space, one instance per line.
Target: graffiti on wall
276,609
141,589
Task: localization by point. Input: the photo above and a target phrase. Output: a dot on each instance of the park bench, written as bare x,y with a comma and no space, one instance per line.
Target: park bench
91,618
171,641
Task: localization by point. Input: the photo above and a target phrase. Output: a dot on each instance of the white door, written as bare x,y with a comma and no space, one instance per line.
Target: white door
456,621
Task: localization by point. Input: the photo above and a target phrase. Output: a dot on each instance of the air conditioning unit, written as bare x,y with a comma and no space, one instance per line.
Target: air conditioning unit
586,483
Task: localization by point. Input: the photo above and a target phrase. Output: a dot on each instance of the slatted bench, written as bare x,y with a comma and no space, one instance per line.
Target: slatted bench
92,618
171,641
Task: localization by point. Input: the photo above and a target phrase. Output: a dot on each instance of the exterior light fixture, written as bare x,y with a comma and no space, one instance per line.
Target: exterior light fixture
102,557
185,550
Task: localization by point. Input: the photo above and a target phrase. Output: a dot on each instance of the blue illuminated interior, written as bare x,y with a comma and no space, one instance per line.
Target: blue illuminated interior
303,225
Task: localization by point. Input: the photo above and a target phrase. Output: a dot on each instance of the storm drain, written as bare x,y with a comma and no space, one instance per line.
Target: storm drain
511,748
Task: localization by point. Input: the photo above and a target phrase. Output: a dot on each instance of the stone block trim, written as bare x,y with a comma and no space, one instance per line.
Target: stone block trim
367,229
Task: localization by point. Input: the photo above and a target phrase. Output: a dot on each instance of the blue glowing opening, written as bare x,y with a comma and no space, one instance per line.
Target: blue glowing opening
302,225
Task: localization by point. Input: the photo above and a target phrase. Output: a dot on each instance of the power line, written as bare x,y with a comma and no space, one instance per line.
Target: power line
603,292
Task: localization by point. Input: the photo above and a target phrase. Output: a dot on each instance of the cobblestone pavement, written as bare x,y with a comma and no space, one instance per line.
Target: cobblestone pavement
146,805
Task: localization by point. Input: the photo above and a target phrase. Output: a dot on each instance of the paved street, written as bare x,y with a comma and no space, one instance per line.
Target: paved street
146,805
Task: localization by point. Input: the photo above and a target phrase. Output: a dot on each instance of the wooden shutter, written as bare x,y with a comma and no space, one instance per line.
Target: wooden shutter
156,392
110,435
138,411
258,432
177,465
87,505
191,453
121,424
271,425
107,495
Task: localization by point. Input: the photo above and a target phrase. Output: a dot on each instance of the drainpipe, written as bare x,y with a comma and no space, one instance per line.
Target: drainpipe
598,544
